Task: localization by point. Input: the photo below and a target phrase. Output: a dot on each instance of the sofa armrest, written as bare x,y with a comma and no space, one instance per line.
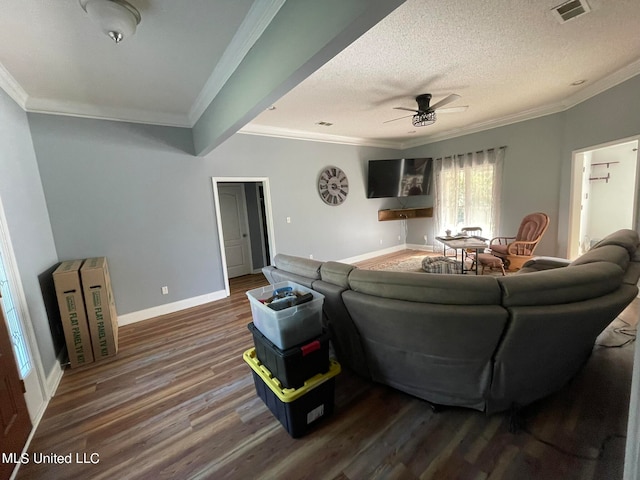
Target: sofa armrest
537,264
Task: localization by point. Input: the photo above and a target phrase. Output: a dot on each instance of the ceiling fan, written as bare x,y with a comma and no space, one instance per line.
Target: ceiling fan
425,114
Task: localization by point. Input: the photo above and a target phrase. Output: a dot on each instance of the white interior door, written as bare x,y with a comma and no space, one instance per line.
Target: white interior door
233,212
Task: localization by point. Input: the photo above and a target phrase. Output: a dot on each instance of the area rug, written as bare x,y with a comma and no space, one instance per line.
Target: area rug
406,264
413,263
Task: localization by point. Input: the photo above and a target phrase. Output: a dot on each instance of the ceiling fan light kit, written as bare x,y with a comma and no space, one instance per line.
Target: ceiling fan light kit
423,119
117,19
426,114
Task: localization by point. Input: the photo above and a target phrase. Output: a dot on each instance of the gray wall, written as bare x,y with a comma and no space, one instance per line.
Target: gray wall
131,193
27,218
537,167
293,166
610,116
530,176
134,194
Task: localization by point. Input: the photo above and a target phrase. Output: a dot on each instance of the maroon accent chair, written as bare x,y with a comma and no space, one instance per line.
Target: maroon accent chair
514,251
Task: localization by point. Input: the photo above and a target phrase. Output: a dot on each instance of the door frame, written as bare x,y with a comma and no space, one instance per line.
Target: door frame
268,211
37,395
575,195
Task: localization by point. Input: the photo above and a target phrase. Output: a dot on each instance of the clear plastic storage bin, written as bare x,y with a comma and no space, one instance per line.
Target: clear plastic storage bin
291,326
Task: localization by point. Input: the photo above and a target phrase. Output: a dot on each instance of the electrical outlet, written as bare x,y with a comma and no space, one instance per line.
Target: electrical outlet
399,238
165,290
380,241
288,219
311,256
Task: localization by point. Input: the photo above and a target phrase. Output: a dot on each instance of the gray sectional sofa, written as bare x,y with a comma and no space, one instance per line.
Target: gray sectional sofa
482,342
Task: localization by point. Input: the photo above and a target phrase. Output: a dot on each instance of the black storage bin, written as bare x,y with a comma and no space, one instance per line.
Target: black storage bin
295,365
298,410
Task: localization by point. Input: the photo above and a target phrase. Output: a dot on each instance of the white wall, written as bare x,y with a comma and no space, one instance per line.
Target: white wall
611,201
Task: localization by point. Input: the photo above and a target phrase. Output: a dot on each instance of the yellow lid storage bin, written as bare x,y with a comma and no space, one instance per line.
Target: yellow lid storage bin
297,409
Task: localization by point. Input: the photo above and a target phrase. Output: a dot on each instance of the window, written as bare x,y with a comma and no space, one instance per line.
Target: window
467,191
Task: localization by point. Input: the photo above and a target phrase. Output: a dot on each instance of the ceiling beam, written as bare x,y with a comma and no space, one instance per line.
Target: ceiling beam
302,37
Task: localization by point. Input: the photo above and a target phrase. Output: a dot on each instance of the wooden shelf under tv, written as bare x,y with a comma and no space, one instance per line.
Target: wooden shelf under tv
404,213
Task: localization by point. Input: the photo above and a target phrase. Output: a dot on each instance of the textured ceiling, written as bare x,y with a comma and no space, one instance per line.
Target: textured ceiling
508,59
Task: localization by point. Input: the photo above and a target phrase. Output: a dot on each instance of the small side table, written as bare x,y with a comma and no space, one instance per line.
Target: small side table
462,243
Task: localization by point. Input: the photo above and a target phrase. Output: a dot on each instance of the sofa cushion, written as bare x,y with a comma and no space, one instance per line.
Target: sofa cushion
625,238
606,253
336,273
445,289
561,285
436,352
632,274
304,267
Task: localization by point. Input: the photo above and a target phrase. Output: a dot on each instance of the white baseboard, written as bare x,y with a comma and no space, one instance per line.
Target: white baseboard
53,379
377,253
415,246
384,251
152,312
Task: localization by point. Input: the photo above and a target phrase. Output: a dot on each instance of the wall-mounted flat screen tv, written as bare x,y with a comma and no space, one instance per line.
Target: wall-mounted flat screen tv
402,177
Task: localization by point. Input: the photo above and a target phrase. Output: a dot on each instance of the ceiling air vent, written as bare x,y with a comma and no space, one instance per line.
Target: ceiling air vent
570,10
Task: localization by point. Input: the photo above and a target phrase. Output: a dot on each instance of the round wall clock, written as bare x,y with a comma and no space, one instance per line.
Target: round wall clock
333,186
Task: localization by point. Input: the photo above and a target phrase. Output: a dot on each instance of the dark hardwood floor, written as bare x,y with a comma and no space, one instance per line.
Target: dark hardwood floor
179,402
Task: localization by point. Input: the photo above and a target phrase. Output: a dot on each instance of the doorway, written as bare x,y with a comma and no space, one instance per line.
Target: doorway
245,224
604,193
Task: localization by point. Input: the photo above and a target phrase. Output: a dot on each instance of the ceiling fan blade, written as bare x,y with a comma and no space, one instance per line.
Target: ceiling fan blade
407,109
400,118
446,100
453,109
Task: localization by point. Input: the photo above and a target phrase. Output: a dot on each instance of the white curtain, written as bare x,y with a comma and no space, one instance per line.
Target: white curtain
468,191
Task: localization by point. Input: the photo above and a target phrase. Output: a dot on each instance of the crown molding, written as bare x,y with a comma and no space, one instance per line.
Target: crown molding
595,88
584,94
290,134
258,18
487,125
116,114
12,87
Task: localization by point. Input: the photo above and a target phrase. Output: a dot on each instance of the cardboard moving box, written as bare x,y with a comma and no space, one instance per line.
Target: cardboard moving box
101,308
66,279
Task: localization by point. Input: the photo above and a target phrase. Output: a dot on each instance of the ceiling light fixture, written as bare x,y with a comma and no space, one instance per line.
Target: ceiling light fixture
422,119
116,18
